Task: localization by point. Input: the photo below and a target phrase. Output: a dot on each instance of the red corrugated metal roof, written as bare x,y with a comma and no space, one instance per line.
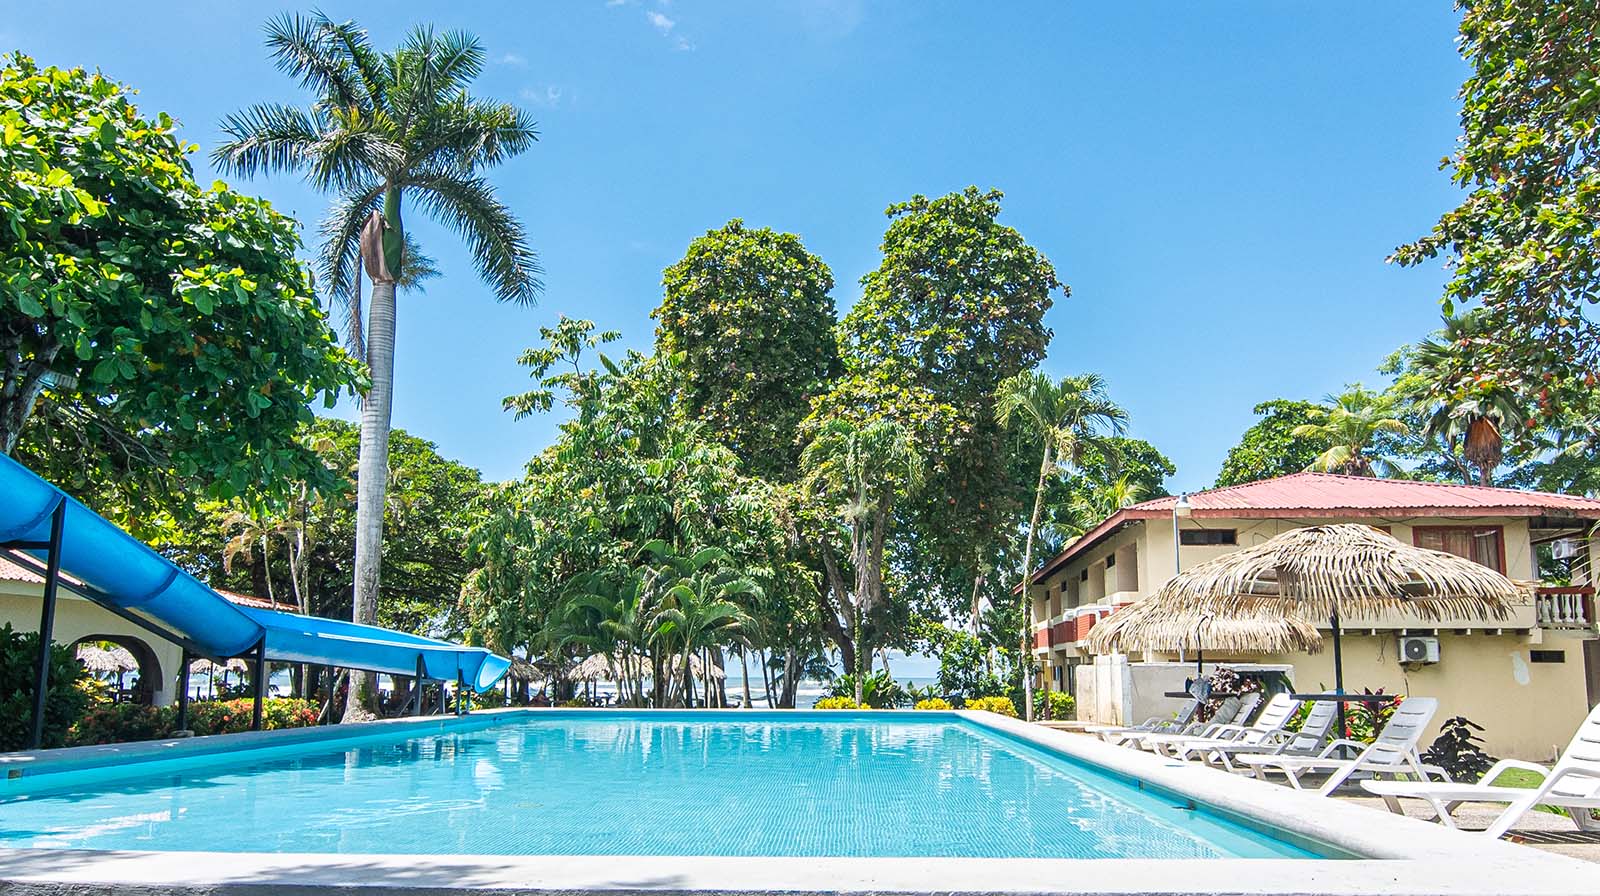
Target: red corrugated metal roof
1331,496
1328,494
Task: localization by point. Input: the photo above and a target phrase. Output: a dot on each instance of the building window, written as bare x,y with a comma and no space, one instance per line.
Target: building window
1208,536
1111,561
1547,656
1480,544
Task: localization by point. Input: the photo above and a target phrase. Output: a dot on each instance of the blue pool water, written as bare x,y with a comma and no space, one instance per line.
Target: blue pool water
766,784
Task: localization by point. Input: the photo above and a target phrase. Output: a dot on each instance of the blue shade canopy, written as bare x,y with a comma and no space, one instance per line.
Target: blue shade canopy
124,574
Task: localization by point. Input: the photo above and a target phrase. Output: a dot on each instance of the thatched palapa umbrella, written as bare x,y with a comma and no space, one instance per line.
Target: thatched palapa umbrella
1146,625
101,661
1327,571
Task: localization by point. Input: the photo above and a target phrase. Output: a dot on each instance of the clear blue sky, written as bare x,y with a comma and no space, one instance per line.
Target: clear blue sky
1219,183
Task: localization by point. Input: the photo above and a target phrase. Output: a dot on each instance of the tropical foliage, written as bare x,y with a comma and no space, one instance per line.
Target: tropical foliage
1349,428
1522,244
159,339
1270,447
384,129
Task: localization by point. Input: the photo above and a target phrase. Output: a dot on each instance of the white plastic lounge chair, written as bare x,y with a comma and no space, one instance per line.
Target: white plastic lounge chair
1574,785
1277,713
1154,723
1229,710
1394,752
1305,742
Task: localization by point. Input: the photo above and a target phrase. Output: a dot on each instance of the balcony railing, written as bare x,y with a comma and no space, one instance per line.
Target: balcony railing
1565,607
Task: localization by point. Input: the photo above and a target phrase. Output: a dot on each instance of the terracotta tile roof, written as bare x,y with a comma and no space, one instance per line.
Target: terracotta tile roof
247,600
1331,496
11,572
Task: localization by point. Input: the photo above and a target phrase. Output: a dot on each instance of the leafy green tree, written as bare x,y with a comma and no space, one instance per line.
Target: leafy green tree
158,340
1522,245
1349,428
1070,417
749,313
1270,447
1126,472
956,306
1469,414
384,128
856,474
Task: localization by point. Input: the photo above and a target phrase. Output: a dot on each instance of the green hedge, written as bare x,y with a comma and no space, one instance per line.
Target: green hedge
111,723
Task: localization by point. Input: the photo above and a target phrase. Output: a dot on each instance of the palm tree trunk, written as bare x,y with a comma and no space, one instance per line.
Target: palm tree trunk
744,668
372,480
1027,580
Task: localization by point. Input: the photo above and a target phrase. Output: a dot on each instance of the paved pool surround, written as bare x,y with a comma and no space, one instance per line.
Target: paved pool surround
1389,854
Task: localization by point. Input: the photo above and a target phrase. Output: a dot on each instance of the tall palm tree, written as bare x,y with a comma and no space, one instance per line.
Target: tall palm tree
1349,425
1071,417
384,128
1469,412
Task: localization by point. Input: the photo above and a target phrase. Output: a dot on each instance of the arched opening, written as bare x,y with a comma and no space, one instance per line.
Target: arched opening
141,684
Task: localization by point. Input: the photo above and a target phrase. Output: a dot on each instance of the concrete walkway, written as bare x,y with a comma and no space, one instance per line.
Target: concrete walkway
1540,830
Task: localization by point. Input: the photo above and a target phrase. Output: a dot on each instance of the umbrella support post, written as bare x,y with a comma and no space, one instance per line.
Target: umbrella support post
461,694
1338,669
183,689
442,708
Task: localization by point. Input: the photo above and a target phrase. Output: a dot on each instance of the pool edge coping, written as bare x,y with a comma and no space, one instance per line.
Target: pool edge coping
1398,855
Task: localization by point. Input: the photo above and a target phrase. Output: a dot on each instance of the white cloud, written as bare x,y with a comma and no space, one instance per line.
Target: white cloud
513,59
548,96
662,23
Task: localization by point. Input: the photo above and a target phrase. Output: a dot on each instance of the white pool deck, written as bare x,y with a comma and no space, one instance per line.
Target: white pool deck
1396,855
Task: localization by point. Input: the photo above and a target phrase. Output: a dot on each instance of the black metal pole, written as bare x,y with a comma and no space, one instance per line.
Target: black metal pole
442,708
422,673
47,624
261,683
461,694
1338,669
183,689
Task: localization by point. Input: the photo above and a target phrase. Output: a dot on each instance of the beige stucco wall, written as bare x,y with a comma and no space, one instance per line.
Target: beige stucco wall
78,618
1485,673
1527,709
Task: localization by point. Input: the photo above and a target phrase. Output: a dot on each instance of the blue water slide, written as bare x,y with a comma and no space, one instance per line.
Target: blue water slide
118,570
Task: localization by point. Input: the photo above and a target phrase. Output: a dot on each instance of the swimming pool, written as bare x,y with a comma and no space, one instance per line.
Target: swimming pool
639,784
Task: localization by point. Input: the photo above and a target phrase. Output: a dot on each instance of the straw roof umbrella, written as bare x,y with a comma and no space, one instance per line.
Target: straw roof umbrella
1146,625
101,661
1332,570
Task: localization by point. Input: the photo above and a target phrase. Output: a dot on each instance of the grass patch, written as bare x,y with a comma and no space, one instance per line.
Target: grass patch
1521,777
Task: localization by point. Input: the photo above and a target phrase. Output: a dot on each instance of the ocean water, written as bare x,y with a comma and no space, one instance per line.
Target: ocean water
647,783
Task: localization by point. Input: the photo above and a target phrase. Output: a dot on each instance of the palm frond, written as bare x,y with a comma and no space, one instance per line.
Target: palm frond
340,256
315,50
268,137
499,246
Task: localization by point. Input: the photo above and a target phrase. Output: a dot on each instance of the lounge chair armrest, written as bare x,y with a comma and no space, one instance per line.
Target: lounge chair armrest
1569,772
1508,764
1334,745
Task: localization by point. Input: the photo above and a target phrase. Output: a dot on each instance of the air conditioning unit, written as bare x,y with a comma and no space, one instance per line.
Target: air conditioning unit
1564,549
1420,650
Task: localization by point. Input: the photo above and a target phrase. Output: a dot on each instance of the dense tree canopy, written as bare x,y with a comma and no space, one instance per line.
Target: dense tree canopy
1269,447
956,306
748,312
1523,244
301,547
158,338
